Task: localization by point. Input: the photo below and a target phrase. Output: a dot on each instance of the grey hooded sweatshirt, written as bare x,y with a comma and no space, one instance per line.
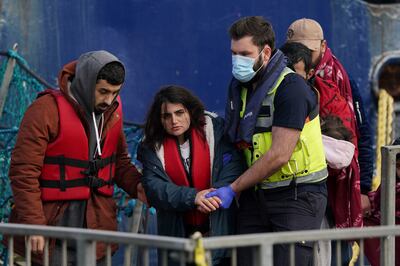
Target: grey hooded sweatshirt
82,90
83,85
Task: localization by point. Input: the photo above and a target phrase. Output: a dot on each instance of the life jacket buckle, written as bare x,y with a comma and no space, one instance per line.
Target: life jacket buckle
95,182
94,166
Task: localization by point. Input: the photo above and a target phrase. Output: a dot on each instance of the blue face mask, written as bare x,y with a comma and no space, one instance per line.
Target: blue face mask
242,67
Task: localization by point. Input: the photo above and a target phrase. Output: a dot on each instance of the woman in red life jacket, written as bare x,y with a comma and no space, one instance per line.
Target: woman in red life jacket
185,156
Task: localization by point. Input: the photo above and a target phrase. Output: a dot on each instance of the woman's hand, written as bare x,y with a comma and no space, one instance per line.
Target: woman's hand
206,205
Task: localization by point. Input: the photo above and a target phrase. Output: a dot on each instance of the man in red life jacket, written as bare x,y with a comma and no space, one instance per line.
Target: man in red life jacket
70,151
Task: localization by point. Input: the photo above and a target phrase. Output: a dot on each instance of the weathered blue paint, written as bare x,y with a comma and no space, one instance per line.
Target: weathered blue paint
351,42
183,41
161,42
365,39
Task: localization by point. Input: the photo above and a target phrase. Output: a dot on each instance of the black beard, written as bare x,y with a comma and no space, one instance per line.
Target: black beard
318,60
257,66
99,111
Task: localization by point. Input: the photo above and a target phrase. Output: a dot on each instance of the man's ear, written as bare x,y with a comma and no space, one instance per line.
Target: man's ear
310,73
267,52
323,46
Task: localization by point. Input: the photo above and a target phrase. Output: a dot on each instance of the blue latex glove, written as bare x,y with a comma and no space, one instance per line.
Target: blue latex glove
225,194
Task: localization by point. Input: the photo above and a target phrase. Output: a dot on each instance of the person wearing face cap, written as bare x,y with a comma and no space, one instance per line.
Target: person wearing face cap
70,151
272,116
328,67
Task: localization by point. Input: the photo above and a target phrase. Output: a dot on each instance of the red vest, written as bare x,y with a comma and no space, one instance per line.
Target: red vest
200,173
67,173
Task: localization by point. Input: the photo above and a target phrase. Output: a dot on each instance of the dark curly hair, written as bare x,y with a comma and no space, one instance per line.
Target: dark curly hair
297,52
154,131
113,73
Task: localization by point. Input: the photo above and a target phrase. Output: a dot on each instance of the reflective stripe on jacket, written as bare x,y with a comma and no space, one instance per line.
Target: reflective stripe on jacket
307,163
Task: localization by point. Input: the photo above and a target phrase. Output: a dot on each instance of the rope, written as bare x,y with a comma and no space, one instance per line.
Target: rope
14,54
384,131
389,123
9,130
22,90
24,65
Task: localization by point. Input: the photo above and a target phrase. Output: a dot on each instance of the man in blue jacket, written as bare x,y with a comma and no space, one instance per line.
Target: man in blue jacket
272,116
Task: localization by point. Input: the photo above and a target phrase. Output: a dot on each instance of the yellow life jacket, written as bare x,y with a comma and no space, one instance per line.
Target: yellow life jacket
307,163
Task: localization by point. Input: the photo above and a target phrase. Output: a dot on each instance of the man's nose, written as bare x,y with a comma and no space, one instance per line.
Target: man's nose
108,100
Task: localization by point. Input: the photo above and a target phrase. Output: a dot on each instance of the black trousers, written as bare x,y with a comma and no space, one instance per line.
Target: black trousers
262,211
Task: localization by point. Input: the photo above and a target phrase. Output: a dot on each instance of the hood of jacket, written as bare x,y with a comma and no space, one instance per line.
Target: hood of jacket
83,81
77,79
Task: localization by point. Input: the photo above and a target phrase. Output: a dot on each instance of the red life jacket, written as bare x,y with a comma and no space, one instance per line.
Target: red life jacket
67,172
199,175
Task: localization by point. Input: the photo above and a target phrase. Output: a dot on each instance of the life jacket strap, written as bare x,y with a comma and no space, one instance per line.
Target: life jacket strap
90,181
91,169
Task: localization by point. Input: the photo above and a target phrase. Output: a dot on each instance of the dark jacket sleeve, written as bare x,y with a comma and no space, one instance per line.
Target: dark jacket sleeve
229,162
38,127
365,140
160,191
126,175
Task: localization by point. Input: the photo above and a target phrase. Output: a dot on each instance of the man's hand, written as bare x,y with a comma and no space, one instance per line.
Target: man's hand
206,205
226,194
37,244
141,195
365,205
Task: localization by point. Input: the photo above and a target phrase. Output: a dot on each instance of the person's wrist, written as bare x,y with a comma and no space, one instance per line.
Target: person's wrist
233,189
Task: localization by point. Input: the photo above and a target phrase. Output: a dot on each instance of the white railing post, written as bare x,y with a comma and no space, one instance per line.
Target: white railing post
265,254
86,253
388,201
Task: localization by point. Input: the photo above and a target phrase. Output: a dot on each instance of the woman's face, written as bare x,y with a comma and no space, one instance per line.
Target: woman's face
175,119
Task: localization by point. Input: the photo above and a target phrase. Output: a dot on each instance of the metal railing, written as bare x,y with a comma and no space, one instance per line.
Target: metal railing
263,243
388,200
86,243
184,249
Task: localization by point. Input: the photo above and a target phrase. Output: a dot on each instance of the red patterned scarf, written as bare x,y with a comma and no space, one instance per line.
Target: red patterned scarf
344,185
